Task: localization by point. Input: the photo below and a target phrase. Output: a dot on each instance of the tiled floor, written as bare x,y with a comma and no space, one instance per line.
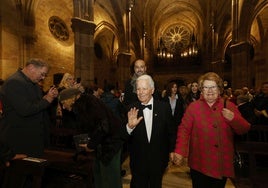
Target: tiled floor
175,177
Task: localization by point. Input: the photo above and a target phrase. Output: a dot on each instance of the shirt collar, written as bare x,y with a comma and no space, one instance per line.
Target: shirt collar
24,76
150,102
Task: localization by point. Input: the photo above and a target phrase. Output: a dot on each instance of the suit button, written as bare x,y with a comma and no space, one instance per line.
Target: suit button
215,125
216,145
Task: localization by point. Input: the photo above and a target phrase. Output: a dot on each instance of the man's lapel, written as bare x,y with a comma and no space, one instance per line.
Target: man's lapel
141,126
155,121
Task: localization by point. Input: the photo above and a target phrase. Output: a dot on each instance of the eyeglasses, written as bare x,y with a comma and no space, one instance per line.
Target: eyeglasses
213,88
43,74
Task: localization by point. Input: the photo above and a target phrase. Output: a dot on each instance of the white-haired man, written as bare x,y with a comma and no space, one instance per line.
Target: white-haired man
151,136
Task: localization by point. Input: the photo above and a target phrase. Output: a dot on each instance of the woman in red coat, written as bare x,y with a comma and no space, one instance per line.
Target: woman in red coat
205,135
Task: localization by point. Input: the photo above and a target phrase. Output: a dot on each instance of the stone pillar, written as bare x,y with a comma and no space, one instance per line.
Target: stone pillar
124,68
84,28
241,65
235,20
84,50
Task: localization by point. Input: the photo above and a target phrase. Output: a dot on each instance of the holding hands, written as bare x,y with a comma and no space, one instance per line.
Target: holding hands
177,159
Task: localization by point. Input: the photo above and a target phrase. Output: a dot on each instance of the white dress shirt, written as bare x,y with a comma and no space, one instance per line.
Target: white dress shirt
148,119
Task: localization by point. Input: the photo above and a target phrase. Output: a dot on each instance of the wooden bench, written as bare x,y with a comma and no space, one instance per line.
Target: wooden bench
22,168
60,166
65,166
255,144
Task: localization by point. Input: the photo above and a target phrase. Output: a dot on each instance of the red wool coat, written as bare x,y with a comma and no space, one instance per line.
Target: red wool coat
206,137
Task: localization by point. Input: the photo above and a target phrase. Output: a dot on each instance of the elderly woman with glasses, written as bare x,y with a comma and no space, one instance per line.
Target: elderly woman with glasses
205,135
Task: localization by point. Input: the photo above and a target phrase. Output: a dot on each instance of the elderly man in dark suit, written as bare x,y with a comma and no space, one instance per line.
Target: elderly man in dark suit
25,118
25,123
151,134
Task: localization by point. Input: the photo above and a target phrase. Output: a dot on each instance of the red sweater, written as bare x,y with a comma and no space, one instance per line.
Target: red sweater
206,137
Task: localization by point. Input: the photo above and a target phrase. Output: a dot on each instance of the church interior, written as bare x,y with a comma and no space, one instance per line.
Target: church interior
97,41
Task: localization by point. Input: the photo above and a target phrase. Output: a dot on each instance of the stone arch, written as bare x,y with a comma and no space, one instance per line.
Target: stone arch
247,11
107,25
135,43
111,45
106,46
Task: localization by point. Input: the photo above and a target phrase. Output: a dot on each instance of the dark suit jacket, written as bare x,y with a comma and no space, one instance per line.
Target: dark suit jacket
25,123
6,154
179,110
151,157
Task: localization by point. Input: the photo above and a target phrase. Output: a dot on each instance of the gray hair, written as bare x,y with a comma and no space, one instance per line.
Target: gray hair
37,63
146,77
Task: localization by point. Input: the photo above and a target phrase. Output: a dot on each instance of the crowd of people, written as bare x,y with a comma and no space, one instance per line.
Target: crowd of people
196,121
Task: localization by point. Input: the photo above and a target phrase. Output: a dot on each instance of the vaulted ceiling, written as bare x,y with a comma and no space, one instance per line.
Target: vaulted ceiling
133,27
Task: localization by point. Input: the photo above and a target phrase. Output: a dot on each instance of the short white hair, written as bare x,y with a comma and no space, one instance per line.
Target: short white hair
146,77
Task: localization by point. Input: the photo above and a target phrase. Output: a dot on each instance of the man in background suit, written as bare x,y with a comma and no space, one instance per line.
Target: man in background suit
138,67
151,136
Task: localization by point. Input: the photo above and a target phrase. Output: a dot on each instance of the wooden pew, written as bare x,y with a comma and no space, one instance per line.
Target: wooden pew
19,169
255,144
69,167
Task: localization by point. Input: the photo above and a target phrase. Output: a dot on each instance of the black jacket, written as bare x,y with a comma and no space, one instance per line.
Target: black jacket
103,127
6,154
154,156
25,123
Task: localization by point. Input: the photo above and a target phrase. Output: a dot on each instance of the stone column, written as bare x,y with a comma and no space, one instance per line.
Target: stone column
84,50
235,20
124,68
241,65
84,28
